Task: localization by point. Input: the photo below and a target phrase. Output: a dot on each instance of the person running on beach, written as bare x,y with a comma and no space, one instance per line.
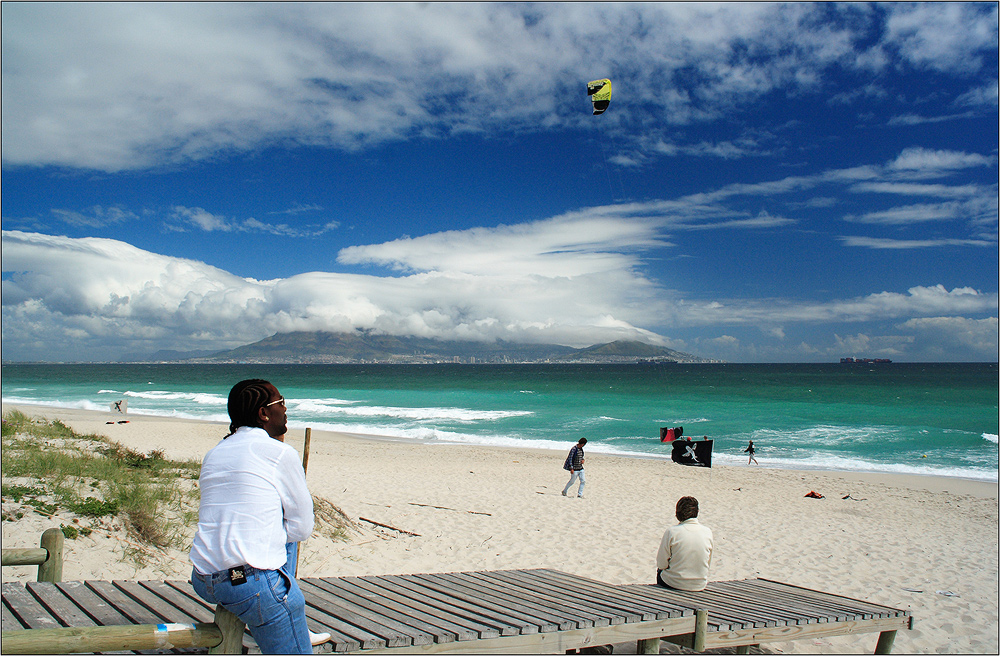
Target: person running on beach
574,464
751,451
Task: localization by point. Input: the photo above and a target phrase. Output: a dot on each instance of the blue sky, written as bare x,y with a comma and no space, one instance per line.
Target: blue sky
771,183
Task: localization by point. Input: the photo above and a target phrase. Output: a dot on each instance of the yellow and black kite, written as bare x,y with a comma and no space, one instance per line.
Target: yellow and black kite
600,93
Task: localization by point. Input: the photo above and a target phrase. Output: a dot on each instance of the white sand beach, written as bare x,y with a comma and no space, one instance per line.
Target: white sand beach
925,544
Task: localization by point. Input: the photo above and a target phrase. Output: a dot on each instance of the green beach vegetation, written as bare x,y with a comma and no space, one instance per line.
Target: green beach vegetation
50,469
97,484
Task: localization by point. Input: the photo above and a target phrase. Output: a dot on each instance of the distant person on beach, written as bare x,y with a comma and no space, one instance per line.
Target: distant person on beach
685,552
574,464
254,503
751,451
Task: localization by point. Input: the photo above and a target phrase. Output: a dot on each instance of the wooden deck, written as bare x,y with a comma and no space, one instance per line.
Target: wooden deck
515,611
755,611
507,611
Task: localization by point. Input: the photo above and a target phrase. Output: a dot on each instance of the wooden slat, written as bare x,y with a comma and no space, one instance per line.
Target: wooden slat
759,610
579,615
29,612
176,599
463,629
325,610
720,616
434,607
876,610
59,605
595,598
656,595
96,607
137,613
394,623
428,624
486,589
813,609
630,608
7,620
578,609
491,617
341,641
602,598
834,608
458,590
165,611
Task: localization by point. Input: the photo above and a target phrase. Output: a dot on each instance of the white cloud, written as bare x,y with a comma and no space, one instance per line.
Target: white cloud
537,282
976,337
118,294
181,218
908,214
945,36
916,302
938,160
118,86
909,244
95,217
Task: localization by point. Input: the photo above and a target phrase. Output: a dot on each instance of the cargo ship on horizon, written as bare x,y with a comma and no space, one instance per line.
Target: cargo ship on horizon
864,360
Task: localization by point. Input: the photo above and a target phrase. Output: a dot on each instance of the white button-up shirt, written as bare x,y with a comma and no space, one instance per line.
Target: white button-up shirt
254,499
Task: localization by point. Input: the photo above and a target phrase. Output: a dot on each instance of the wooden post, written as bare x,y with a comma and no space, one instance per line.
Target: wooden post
885,640
648,646
232,628
743,649
700,629
35,556
51,570
78,639
305,450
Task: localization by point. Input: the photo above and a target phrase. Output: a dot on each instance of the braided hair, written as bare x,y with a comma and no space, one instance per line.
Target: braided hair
245,401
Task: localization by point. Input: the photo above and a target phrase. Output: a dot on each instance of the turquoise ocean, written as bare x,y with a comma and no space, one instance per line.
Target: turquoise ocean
938,419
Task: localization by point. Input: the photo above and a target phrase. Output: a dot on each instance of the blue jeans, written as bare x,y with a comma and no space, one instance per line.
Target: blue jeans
572,479
269,603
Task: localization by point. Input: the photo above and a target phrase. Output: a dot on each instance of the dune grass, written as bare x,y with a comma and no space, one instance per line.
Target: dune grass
49,469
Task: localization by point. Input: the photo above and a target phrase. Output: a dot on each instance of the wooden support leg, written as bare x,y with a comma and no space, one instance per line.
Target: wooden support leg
885,640
700,629
648,646
51,570
743,649
232,628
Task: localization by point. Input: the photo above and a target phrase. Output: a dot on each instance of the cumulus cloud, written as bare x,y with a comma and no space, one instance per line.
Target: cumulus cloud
570,280
120,86
976,337
112,291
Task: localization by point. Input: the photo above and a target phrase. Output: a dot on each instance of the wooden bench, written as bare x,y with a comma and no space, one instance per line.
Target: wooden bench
750,612
507,611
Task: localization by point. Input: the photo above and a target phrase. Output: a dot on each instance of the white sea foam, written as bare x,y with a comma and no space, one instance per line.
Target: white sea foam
460,415
200,398
72,405
824,435
833,462
990,437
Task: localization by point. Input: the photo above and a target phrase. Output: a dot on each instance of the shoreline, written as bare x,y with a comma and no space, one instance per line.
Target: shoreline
930,482
922,543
